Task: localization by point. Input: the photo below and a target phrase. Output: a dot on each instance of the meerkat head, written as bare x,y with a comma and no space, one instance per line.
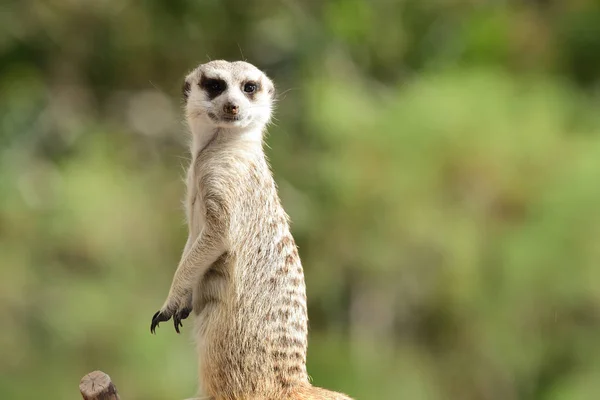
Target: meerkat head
224,94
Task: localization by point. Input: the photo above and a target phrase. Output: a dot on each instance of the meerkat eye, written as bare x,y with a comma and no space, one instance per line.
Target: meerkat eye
250,87
214,87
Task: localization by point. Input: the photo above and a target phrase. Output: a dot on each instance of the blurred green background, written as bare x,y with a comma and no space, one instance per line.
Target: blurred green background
440,161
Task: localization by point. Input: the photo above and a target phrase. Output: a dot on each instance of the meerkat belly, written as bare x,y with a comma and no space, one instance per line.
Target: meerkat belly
248,341
213,286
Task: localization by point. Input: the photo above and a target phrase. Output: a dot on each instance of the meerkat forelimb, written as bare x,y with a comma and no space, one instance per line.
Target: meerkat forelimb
204,251
240,274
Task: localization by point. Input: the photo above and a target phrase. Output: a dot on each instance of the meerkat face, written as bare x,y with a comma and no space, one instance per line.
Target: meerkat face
228,95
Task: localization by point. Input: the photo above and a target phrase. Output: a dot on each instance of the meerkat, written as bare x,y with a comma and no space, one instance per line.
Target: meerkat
240,273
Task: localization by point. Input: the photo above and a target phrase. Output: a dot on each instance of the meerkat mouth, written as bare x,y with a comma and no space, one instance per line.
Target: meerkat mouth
225,118
231,118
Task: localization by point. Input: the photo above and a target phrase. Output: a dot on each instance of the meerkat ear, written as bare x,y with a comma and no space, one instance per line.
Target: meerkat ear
270,88
185,90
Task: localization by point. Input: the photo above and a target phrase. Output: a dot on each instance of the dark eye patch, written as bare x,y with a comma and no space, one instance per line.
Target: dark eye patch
213,87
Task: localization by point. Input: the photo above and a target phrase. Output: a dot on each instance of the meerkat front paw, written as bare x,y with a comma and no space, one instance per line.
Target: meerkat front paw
179,311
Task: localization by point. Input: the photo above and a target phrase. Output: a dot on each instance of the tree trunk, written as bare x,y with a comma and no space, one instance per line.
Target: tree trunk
97,386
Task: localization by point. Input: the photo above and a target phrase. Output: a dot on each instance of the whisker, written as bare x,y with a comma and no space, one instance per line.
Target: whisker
286,91
241,53
154,86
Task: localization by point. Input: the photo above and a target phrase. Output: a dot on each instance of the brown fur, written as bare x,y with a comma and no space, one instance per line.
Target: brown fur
240,271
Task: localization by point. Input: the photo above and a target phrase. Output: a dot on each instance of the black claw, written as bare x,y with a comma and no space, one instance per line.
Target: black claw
177,323
185,313
157,319
179,316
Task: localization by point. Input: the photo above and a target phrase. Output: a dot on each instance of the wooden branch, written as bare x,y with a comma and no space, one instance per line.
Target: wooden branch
97,386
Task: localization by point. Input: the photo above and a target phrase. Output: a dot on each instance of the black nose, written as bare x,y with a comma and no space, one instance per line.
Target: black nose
231,108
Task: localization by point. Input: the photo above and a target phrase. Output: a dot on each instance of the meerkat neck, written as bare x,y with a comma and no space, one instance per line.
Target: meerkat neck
203,135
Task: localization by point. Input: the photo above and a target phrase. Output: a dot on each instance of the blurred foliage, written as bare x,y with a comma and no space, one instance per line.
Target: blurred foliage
440,161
